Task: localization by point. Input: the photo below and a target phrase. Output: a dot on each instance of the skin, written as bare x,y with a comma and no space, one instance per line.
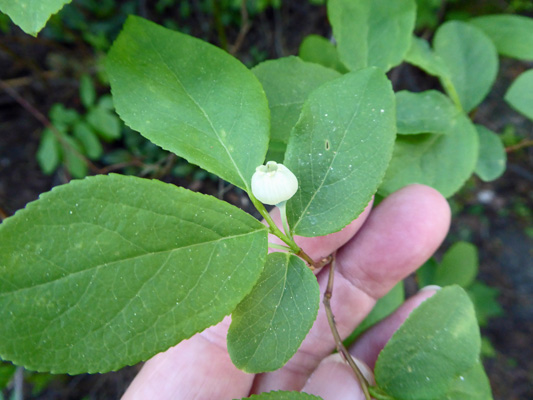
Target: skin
374,252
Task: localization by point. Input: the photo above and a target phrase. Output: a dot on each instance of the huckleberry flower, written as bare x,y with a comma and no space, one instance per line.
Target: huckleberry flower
273,183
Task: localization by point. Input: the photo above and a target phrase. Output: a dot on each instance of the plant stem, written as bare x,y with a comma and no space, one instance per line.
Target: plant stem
338,340
278,246
283,212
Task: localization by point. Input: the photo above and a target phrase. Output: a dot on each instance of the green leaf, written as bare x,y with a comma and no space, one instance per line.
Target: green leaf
319,50
492,156
424,112
471,59
382,309
48,153
31,15
269,325
438,342
372,32
459,266
485,299
87,91
288,82
191,98
421,55
60,115
73,157
7,370
110,270
511,34
88,139
520,94
471,385
339,151
425,275
105,123
281,395
443,162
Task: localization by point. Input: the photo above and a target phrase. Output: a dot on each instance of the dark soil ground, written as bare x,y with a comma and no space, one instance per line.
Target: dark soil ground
501,226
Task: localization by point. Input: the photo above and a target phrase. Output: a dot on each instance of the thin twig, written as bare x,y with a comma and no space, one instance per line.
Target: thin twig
245,27
338,340
46,122
518,146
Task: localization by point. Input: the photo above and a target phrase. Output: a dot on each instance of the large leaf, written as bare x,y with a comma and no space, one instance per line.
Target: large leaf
511,34
459,266
31,15
424,112
471,385
339,150
439,341
520,94
269,325
471,59
319,50
287,83
492,156
372,32
110,270
281,395
191,98
443,162
422,55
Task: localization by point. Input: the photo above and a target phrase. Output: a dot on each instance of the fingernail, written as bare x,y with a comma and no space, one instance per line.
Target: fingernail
430,287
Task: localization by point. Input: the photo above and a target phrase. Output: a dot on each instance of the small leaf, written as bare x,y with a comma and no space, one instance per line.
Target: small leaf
73,157
492,156
7,370
421,55
191,98
88,139
281,395
319,50
511,34
48,154
520,94
443,162
470,385
111,270
459,266
382,309
425,275
288,82
438,342
339,151
87,91
269,325
425,112
31,15
372,33
485,299
471,59
60,115
105,123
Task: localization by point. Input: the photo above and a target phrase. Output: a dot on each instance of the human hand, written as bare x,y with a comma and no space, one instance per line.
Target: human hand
374,252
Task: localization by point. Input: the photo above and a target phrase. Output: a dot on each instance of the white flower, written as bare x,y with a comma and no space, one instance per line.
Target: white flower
273,183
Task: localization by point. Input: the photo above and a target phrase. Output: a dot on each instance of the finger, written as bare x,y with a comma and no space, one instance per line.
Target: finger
333,379
198,368
398,237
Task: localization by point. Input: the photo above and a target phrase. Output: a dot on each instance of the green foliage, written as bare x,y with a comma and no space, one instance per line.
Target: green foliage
471,59
346,148
204,105
372,32
470,385
96,310
7,370
269,325
319,50
511,34
485,299
438,343
74,136
520,94
492,156
31,15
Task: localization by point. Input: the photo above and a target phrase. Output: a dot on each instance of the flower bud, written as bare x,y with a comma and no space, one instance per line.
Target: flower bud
273,183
